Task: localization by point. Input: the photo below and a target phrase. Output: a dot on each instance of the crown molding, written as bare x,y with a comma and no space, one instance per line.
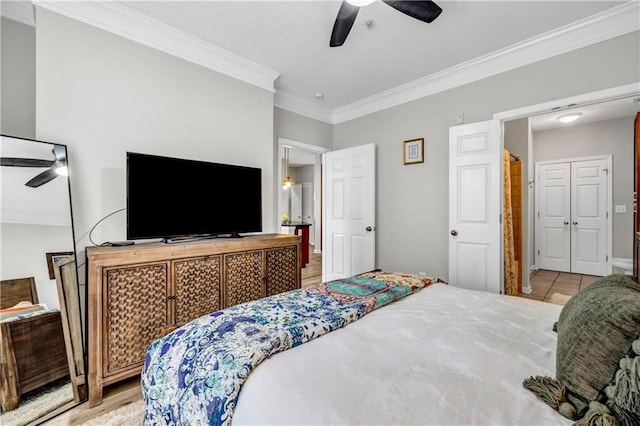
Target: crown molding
18,10
127,23
612,23
290,102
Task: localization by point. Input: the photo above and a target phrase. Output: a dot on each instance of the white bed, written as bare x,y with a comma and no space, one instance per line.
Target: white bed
442,356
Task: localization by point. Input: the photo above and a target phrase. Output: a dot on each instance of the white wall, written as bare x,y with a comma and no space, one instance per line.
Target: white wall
18,94
412,201
104,95
24,248
613,137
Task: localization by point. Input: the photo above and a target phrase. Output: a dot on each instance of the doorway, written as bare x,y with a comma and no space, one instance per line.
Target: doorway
532,123
302,202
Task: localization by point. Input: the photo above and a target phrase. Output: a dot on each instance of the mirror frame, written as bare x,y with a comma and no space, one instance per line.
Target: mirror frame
66,276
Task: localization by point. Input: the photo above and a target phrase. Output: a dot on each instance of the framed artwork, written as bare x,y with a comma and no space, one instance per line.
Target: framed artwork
53,258
414,151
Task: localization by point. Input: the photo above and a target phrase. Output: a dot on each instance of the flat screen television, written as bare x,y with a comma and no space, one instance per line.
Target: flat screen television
172,198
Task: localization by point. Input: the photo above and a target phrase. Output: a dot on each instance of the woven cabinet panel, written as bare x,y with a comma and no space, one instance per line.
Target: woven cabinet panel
243,277
197,284
282,273
136,313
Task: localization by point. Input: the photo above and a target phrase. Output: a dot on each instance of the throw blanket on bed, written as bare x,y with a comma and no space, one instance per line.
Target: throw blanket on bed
193,376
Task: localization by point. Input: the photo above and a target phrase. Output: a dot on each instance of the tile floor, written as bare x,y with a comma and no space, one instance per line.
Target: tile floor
557,287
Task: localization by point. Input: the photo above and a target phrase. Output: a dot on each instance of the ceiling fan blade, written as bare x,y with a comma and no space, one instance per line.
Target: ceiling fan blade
25,162
42,178
344,21
426,11
60,153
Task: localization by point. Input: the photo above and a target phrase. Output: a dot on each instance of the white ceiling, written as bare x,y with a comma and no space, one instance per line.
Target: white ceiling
292,38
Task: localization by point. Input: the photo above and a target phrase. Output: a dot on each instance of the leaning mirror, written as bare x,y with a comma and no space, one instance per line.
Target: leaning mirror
41,355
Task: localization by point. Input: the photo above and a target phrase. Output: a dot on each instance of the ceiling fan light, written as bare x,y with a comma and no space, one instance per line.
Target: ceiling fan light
360,3
62,171
568,118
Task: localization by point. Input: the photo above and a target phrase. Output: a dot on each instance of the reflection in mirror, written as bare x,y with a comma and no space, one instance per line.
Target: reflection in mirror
41,357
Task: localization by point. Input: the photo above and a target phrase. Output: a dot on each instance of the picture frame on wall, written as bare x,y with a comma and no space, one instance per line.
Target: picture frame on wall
53,258
414,151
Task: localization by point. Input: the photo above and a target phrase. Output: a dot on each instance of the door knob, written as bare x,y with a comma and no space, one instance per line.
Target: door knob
566,223
454,232
368,229
575,223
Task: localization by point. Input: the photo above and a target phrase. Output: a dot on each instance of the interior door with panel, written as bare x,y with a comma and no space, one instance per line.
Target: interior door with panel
589,217
572,219
475,206
554,216
349,212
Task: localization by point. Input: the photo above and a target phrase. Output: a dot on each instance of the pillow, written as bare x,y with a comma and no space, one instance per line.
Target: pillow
596,333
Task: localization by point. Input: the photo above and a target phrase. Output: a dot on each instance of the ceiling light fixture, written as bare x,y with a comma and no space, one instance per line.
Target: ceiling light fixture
318,95
287,182
568,118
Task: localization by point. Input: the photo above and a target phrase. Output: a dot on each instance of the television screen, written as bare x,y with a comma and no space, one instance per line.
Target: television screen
171,197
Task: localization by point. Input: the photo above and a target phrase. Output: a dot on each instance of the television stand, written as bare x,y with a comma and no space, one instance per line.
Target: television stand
187,239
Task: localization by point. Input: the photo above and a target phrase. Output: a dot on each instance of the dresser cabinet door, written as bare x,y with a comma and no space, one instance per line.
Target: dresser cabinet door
135,313
281,270
244,277
197,287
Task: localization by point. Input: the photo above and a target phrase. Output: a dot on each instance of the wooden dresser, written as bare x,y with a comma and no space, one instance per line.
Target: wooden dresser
137,293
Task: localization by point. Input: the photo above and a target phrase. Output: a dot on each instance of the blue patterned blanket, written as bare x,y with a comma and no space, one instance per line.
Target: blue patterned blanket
193,375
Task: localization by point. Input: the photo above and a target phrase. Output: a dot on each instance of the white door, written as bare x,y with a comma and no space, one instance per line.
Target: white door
296,203
572,223
589,217
554,216
475,206
349,212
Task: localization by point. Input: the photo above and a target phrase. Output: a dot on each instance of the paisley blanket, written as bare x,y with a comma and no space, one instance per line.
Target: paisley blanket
193,375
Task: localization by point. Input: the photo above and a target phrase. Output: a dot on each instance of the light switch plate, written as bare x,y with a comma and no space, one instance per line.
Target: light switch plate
621,208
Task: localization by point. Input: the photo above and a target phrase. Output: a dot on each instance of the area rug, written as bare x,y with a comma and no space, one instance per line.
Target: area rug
131,414
35,404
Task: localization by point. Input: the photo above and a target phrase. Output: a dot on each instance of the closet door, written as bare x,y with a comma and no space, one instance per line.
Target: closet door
589,217
554,214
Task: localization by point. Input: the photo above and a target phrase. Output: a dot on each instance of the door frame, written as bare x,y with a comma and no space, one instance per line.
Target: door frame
557,105
609,201
316,149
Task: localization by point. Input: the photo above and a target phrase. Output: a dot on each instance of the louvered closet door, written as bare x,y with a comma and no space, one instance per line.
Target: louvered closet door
197,287
281,272
130,321
244,277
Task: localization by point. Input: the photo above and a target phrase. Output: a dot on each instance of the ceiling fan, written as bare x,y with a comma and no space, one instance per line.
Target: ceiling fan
56,167
425,11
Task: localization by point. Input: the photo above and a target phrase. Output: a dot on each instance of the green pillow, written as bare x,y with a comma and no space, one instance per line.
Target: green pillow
596,330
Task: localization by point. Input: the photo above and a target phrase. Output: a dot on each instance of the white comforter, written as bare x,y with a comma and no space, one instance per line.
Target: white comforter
443,356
